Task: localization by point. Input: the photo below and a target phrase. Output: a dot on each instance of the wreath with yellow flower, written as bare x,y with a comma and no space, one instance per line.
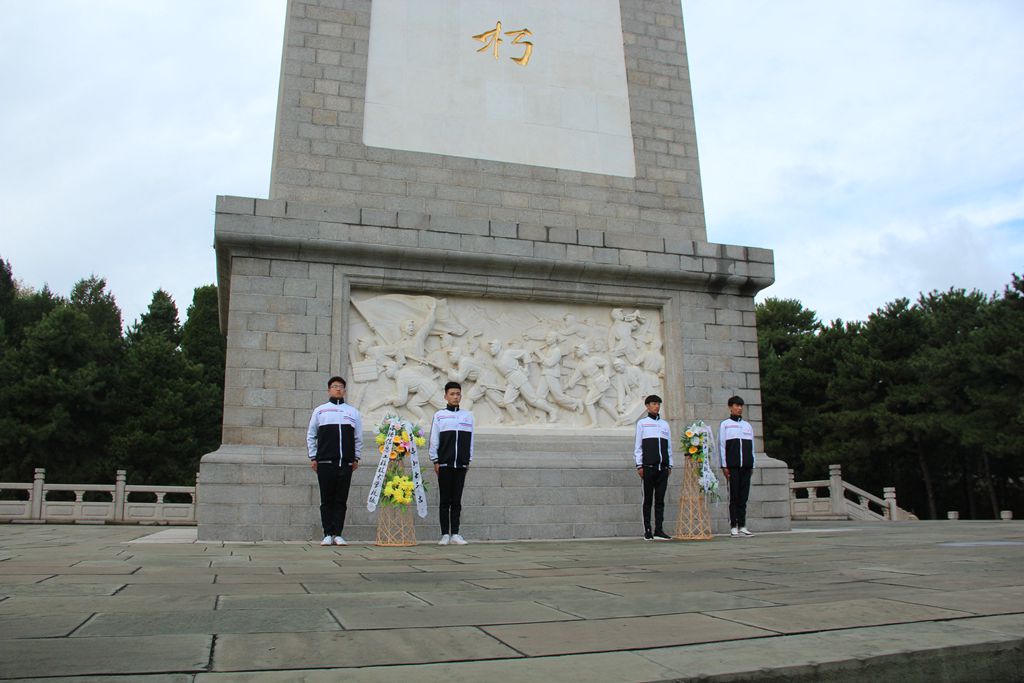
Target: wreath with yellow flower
399,487
402,437
698,444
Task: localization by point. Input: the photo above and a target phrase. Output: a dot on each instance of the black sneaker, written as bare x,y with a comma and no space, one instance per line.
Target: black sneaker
648,536
661,536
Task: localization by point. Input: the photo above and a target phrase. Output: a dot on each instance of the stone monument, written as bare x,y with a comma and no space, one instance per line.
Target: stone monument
502,193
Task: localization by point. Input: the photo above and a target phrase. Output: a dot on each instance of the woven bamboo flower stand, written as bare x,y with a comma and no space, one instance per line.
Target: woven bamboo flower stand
694,520
395,527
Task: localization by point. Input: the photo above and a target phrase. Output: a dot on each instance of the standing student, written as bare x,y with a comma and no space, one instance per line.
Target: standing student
653,455
335,442
736,447
451,451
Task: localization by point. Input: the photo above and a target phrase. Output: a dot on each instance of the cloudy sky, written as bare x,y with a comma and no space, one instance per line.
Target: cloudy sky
876,146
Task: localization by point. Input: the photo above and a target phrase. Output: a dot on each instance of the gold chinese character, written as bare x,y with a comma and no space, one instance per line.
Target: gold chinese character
492,39
527,45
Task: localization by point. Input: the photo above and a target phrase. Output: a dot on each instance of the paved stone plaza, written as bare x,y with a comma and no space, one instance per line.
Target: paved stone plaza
916,601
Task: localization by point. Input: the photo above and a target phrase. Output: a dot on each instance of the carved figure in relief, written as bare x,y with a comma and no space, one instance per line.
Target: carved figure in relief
508,364
653,363
369,350
589,369
550,358
630,385
486,384
414,339
415,387
621,339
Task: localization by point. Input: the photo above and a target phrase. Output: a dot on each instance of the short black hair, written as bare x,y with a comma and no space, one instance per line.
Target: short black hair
336,379
735,401
653,398
452,385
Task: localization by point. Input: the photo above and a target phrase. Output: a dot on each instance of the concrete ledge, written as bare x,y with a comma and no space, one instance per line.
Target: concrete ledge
519,487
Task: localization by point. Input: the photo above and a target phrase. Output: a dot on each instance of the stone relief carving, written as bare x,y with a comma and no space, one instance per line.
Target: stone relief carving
520,363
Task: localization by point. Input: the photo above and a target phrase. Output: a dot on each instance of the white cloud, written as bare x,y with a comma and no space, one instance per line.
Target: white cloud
863,142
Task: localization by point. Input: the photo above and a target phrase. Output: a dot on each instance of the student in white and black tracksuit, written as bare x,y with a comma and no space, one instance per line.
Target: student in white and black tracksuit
736,449
653,455
335,442
451,451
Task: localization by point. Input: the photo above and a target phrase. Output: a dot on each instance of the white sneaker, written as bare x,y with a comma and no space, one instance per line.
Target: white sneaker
444,540
734,532
745,531
338,540
328,540
458,540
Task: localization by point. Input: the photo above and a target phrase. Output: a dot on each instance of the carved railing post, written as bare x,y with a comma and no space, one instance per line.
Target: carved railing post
891,510
37,493
835,489
119,495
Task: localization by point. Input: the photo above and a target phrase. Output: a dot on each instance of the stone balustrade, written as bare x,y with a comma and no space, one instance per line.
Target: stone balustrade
115,504
841,500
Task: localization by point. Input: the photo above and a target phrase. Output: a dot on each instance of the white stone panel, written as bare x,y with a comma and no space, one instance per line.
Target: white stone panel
429,89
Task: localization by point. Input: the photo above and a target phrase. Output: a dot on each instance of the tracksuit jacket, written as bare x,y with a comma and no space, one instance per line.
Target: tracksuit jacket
736,443
451,438
653,445
335,433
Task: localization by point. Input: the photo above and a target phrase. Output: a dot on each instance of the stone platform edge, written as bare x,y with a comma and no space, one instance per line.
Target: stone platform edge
265,493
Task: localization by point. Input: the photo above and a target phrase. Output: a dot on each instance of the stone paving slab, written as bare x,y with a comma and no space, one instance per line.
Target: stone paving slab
959,582
589,580
804,579
54,589
106,603
49,626
354,649
1005,600
602,635
156,589
219,621
672,582
418,616
270,600
137,577
543,594
835,615
836,593
83,656
609,606
619,667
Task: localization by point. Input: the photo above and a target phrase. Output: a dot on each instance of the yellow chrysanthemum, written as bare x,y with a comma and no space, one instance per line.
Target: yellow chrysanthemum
379,438
420,441
405,435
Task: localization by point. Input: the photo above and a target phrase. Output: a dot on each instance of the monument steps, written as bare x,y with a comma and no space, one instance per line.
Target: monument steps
519,487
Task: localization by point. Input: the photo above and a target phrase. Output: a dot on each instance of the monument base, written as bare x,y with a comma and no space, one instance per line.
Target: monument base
559,486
